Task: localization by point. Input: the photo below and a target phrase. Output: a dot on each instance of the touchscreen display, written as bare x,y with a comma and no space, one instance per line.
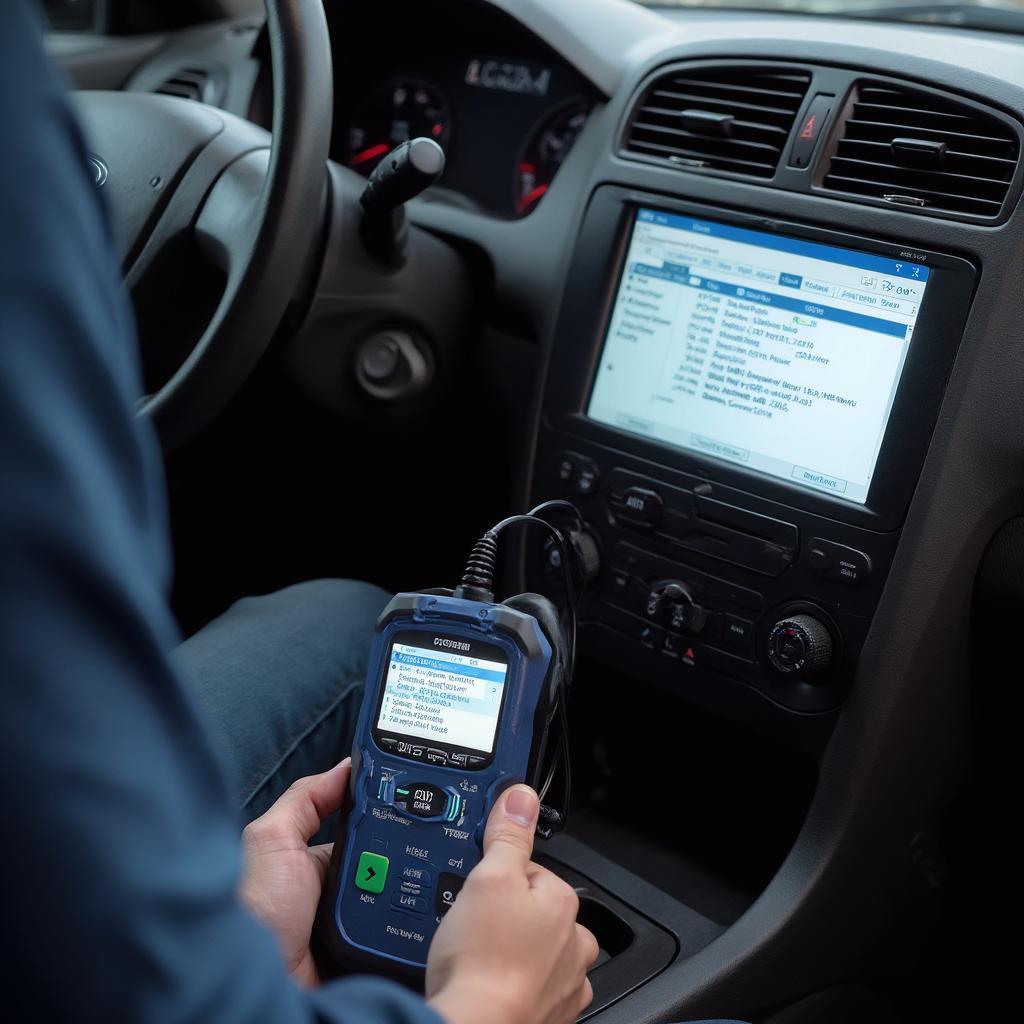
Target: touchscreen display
440,690
776,353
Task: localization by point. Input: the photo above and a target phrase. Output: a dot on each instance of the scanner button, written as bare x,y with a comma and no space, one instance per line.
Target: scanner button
414,873
371,872
417,904
448,887
421,799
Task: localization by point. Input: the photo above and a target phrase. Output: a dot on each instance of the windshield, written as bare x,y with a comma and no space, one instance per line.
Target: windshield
994,15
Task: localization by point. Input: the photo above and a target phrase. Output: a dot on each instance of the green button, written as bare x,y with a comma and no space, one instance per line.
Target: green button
372,872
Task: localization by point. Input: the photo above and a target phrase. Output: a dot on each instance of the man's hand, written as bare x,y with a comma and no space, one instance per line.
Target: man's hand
510,951
283,875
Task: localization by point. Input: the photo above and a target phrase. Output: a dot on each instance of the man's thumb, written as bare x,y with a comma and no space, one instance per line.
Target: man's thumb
510,827
302,807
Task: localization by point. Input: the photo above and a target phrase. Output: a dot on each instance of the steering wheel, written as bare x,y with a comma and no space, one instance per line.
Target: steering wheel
253,201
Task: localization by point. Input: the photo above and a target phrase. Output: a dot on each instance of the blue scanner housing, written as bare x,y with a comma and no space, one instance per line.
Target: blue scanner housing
426,772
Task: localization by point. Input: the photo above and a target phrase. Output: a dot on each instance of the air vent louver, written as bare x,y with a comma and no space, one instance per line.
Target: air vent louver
918,149
728,118
192,83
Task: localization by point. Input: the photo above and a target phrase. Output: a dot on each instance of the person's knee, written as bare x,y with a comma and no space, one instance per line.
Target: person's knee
274,668
319,615
321,627
331,599
308,606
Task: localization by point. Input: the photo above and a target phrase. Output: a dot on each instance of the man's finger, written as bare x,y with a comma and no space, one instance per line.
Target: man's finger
586,996
508,838
306,802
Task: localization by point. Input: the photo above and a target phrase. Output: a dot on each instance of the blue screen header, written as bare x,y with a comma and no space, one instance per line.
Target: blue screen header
784,243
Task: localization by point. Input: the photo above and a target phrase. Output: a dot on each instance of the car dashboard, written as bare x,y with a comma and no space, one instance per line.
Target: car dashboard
718,185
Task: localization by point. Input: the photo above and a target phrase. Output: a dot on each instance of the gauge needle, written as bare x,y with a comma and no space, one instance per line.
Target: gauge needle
368,154
531,197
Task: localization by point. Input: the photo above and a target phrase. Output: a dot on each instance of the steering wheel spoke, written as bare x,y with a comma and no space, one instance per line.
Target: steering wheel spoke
230,216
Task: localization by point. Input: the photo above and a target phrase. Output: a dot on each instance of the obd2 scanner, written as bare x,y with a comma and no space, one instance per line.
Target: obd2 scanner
461,697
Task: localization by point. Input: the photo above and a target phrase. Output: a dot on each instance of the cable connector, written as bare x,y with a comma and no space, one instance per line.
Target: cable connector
478,579
549,822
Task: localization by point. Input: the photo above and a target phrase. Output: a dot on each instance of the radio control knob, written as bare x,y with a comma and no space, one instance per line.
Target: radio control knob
588,555
800,645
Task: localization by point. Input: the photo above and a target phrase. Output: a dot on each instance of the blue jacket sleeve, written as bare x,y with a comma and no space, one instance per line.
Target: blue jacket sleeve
119,856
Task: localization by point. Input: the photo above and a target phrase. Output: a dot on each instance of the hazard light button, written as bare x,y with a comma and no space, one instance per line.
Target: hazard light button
810,129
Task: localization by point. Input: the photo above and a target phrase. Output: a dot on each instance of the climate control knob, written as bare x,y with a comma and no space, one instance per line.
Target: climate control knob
800,645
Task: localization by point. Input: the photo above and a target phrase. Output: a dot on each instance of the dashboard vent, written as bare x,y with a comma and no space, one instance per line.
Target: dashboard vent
728,118
922,150
191,83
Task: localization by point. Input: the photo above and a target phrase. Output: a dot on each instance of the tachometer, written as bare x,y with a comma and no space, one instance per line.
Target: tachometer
545,150
405,108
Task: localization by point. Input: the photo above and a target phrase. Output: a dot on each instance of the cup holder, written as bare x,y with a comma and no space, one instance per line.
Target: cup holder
633,949
613,935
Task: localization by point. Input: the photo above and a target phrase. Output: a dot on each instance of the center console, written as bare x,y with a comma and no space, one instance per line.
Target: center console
741,408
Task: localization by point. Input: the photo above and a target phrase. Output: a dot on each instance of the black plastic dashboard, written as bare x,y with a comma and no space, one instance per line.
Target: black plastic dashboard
891,744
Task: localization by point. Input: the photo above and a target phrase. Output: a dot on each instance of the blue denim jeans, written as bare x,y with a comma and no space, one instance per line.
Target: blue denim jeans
280,678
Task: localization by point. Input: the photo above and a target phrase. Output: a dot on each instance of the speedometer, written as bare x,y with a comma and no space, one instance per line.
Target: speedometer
545,150
405,108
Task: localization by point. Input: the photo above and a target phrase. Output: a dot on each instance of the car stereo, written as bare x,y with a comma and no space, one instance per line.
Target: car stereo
741,408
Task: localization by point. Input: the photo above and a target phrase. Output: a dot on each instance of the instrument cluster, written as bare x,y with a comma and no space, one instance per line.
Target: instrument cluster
506,125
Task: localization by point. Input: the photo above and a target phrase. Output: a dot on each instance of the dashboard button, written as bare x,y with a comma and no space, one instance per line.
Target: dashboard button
639,506
566,467
738,632
818,557
587,477
810,131
838,562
